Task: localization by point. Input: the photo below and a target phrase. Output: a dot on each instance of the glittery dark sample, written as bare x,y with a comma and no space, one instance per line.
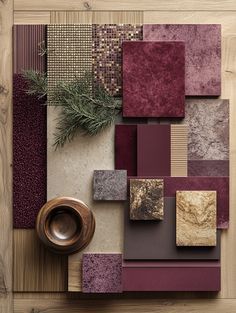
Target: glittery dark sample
102,273
107,47
29,155
110,185
146,199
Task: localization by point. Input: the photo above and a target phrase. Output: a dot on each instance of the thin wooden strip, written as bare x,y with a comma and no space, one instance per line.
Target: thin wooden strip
34,267
58,17
179,139
117,17
31,17
129,5
6,22
75,276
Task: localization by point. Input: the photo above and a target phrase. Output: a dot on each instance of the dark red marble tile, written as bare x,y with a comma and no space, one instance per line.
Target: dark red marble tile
171,276
203,53
153,79
156,240
126,148
153,150
29,155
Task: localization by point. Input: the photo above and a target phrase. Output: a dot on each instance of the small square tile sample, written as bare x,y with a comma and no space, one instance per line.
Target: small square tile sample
195,218
154,150
203,53
156,240
102,273
146,199
110,185
126,148
153,79
107,53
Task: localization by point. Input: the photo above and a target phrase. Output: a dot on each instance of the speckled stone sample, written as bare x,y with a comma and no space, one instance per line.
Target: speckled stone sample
110,185
196,218
29,155
146,199
102,273
153,79
107,53
203,53
208,121
126,148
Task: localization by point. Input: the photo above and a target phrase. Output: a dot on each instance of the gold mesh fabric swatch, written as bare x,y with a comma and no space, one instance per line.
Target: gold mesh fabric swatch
69,53
107,48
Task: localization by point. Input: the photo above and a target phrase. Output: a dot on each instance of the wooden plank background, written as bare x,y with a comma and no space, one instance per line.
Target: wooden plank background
112,11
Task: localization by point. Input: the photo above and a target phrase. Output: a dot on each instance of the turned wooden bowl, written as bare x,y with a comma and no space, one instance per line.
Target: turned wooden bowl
65,225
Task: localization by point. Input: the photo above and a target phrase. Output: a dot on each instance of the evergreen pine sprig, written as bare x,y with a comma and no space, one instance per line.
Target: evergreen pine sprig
83,109
37,83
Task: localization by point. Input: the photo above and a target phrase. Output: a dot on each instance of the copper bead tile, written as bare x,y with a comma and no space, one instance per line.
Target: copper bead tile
65,225
196,218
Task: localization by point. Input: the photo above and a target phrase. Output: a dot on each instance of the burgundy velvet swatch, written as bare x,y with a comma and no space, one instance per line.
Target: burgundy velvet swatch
171,276
208,168
126,148
156,240
153,150
219,184
153,79
27,40
203,53
29,155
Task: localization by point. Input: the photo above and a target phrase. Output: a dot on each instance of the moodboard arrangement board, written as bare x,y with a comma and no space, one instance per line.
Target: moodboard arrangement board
169,173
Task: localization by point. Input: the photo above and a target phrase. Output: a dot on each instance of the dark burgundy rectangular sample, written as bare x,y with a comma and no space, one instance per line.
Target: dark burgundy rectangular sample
29,155
153,150
27,40
208,168
153,79
156,240
126,148
171,276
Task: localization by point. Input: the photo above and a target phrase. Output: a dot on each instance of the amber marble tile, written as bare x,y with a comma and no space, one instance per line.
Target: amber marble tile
196,218
146,199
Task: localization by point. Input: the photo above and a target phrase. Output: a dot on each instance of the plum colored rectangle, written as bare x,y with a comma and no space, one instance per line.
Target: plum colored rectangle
156,240
175,277
126,148
154,150
208,168
203,53
29,42
153,79
29,155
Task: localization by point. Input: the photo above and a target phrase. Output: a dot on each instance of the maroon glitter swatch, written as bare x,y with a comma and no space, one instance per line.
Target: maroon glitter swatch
203,54
171,276
102,273
29,155
153,79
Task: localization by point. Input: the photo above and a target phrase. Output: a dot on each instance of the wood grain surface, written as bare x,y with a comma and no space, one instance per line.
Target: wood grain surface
102,11
6,21
34,267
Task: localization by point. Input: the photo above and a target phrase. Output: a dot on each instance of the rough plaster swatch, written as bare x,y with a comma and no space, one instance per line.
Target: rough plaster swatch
196,218
203,54
146,199
153,79
110,185
102,273
107,53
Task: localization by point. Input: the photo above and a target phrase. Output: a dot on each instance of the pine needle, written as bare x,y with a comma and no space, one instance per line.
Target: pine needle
37,83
